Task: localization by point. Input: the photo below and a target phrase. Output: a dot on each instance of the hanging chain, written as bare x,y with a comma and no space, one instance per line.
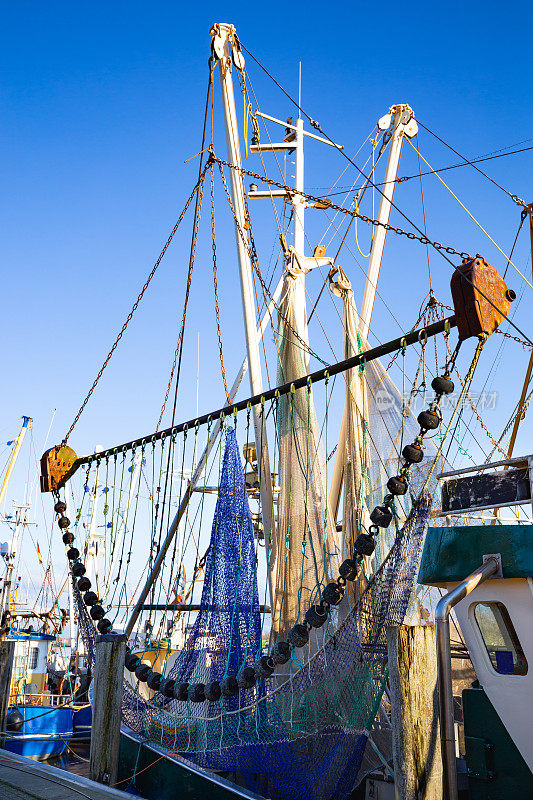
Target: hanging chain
348,211
514,338
136,303
215,283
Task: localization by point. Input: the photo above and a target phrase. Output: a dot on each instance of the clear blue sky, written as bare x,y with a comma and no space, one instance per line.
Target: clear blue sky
101,105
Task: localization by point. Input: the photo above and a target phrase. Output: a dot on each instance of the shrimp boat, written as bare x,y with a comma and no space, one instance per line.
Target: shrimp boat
265,590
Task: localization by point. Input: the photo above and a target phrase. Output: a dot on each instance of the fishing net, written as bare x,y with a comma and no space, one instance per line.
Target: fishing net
227,631
303,732
303,738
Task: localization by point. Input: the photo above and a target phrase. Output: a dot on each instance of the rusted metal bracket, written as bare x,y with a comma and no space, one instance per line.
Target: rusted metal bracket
56,463
481,298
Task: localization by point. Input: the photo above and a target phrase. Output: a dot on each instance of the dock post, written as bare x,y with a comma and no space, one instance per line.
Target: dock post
107,705
7,652
414,712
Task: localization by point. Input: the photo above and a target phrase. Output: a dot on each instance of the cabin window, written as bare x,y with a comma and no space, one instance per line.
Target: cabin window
33,658
499,636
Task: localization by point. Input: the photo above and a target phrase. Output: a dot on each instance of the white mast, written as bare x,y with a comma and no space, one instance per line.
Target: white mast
223,34
6,586
403,124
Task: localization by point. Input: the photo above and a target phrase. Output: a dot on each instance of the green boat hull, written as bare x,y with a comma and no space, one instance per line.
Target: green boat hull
160,776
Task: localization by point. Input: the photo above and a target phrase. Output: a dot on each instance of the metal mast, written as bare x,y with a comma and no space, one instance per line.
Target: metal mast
6,587
403,124
223,35
26,423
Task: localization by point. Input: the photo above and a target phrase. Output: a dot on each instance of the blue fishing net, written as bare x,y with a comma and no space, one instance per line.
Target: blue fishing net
227,631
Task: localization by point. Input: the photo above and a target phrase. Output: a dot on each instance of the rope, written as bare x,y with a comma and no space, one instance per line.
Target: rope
513,197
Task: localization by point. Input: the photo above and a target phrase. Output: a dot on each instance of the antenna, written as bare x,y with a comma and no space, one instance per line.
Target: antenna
299,89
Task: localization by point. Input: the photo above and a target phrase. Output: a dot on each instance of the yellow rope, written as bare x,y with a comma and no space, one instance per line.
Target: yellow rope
373,142
470,215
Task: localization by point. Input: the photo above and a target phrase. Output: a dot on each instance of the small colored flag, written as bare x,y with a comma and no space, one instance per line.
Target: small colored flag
39,555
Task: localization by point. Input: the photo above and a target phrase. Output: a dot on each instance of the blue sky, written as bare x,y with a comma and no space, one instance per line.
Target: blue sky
101,105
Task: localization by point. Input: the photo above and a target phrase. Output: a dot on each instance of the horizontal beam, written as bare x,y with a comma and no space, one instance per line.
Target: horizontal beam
272,147
294,128
262,194
506,462
186,607
323,374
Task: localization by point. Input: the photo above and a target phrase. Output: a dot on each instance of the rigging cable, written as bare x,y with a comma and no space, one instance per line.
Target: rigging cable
514,197
487,234
317,126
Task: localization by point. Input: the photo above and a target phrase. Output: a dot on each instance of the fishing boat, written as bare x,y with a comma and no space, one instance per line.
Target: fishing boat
38,713
278,668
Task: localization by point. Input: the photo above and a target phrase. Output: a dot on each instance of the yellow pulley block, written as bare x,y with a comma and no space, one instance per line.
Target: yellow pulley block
56,463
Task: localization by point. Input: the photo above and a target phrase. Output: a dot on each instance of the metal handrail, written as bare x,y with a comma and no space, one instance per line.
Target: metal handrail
444,670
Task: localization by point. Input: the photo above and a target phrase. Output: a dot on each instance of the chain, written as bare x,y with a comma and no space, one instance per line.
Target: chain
249,243
187,290
215,283
514,338
513,418
136,303
348,211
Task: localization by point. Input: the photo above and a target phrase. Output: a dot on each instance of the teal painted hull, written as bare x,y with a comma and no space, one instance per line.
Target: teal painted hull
159,776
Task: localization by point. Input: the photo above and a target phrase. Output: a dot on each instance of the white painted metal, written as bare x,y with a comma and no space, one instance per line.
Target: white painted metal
295,127
222,33
492,465
509,694
402,115
262,195
444,669
271,147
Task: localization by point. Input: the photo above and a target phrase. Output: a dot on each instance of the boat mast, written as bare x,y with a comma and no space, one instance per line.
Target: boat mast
26,423
222,34
403,124
6,586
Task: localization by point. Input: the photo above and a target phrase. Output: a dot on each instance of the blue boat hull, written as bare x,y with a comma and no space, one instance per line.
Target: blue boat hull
45,732
83,720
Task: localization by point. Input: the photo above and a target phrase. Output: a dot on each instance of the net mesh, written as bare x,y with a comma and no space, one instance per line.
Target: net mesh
305,550
299,736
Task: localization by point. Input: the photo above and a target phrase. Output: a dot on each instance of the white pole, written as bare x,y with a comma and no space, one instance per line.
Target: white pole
402,116
221,36
298,204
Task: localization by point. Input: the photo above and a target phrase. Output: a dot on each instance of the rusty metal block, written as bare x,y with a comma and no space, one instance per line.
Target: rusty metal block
55,464
481,298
